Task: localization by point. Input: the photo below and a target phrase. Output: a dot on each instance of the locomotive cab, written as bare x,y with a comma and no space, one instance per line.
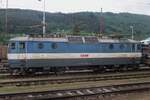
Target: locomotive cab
17,47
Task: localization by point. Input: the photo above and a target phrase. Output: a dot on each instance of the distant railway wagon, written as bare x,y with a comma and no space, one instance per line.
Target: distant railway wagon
146,54
31,54
3,52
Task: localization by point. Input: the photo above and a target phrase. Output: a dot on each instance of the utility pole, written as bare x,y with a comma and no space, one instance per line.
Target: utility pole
132,31
101,21
44,19
6,17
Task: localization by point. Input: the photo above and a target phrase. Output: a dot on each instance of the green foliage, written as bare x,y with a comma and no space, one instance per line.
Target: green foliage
28,21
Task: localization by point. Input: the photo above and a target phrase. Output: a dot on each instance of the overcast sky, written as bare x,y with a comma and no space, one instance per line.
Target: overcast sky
131,6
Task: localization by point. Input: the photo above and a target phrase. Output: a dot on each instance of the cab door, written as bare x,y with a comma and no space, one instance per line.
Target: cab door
22,51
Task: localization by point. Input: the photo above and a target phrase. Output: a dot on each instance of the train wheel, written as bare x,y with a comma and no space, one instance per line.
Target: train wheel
14,71
23,71
99,69
136,67
58,70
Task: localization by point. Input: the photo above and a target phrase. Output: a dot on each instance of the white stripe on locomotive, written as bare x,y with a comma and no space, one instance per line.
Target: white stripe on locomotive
71,55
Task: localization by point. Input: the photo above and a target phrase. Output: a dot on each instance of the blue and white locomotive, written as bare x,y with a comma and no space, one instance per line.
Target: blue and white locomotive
31,54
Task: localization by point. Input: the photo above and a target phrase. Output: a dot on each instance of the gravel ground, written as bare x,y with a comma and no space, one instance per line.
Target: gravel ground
142,95
130,96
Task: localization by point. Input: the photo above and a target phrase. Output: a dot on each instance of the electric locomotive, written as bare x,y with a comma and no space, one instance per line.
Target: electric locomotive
32,54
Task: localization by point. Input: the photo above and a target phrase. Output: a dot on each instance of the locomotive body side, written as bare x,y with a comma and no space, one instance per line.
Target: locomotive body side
29,53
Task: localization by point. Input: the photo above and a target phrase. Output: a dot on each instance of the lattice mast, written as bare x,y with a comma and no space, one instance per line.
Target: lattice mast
101,22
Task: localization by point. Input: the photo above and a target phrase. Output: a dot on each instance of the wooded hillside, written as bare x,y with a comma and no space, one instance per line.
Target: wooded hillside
28,21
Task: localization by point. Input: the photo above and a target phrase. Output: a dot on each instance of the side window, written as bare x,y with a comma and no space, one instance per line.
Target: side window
54,45
22,45
111,46
122,46
13,46
40,45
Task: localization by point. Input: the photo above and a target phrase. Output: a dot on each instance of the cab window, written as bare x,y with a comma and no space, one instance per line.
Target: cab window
13,46
133,46
22,45
139,47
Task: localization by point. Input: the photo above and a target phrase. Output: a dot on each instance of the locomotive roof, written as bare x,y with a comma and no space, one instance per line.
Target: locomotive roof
38,39
72,39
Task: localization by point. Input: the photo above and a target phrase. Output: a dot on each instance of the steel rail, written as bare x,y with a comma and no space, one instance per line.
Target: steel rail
22,82
67,93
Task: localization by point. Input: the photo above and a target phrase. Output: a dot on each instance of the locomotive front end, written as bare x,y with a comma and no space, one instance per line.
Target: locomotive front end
17,54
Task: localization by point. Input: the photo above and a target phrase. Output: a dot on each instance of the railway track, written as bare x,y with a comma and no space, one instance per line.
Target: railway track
7,75
78,92
4,67
29,82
